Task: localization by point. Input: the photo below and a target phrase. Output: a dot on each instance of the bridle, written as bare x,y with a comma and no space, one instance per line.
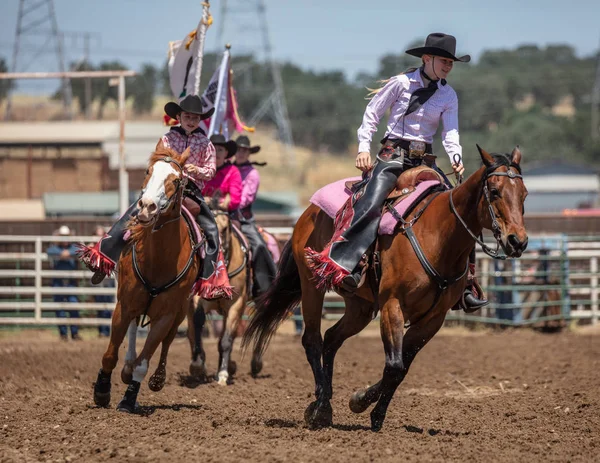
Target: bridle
180,185
493,253
154,291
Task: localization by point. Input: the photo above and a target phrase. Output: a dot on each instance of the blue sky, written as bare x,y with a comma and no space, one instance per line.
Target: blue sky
349,35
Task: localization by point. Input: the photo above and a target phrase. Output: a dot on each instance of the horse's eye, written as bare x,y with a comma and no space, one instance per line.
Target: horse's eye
147,171
494,193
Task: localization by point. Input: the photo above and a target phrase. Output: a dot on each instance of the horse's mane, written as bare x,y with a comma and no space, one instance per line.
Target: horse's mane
163,152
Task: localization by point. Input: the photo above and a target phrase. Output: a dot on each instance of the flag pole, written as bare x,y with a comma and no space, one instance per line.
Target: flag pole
201,35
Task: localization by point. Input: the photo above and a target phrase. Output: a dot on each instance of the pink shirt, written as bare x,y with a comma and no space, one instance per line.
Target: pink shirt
227,180
420,125
202,152
250,184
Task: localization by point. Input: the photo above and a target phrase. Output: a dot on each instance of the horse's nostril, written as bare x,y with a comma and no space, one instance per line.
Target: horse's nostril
140,205
152,207
525,243
514,241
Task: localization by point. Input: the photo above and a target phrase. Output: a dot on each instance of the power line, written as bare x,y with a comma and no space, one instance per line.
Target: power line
274,103
37,18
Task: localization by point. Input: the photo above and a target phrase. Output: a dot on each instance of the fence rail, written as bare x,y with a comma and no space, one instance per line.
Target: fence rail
518,290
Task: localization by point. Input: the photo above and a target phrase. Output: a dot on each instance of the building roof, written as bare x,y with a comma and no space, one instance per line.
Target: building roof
140,137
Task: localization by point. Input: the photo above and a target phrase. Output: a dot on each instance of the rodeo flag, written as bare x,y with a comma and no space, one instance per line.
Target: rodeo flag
221,95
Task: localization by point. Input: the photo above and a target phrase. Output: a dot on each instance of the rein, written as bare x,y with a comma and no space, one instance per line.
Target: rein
493,253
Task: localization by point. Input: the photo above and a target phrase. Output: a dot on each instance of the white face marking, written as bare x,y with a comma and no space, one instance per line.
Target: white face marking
131,355
155,188
139,372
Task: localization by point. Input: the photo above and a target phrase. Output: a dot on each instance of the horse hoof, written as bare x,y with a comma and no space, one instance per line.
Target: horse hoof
156,383
232,369
357,403
126,406
102,399
223,378
256,367
318,417
198,371
377,422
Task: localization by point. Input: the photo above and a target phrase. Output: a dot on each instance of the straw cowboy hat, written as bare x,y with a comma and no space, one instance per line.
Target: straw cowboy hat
64,231
244,142
190,104
220,140
439,44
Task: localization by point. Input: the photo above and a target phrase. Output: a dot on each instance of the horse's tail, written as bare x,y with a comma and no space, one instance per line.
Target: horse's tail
274,306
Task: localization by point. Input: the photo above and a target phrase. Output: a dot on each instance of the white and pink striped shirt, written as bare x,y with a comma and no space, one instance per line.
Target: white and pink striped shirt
420,125
202,152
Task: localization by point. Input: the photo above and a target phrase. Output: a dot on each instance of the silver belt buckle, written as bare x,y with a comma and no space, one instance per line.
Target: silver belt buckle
416,149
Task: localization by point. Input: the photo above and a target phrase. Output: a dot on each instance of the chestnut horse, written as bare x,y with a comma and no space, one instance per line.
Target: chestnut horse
407,294
236,253
156,274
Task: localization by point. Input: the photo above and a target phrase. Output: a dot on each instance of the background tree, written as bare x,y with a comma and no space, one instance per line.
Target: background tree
143,89
5,85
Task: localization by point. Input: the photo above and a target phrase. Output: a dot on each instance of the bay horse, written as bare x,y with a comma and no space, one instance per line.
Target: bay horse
157,271
236,252
407,295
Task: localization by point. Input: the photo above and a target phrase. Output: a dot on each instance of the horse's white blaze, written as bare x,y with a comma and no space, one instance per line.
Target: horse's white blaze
155,188
139,372
131,355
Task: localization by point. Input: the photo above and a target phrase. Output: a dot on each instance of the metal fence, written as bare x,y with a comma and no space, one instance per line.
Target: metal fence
556,280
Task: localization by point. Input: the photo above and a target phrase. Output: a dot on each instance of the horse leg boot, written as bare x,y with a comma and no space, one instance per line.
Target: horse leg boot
102,258
263,266
473,298
214,282
357,225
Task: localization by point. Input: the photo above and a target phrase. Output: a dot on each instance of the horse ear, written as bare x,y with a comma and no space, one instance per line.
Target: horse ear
516,155
485,156
184,156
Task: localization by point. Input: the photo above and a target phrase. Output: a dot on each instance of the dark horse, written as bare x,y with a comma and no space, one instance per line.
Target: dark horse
407,295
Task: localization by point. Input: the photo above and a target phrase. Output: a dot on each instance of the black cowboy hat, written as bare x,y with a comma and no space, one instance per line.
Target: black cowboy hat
438,44
219,140
190,104
244,142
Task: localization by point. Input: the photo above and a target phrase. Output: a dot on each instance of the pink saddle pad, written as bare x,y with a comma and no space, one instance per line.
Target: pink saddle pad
332,197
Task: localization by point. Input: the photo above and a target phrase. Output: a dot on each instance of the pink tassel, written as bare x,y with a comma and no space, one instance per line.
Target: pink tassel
326,272
208,291
95,260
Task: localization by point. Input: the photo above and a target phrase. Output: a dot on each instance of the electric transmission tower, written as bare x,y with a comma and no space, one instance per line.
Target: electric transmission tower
249,17
36,33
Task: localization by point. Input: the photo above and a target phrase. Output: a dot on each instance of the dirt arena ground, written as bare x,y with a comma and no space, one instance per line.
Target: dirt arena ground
486,396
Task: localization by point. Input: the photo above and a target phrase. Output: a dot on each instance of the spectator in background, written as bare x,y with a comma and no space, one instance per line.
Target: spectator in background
63,256
104,330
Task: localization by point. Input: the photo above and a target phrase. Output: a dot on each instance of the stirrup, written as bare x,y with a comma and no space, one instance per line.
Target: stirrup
98,277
